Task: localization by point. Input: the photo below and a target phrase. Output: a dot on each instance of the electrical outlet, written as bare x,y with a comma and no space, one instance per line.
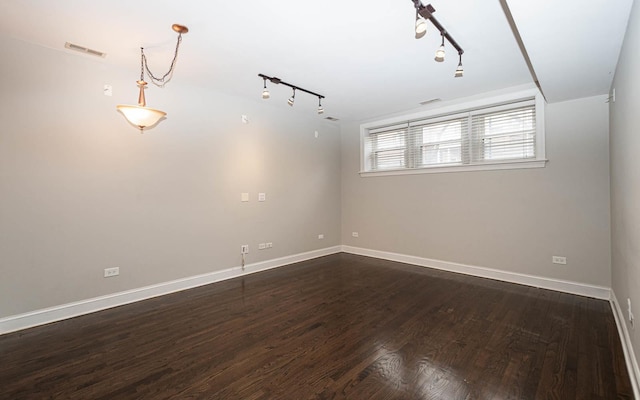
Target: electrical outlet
269,245
262,246
321,236
109,272
262,197
354,234
244,249
559,260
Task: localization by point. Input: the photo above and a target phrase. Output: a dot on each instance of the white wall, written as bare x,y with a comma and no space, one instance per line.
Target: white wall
510,220
82,190
625,179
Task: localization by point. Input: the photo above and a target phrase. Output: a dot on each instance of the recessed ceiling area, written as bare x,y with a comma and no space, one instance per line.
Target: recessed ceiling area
362,56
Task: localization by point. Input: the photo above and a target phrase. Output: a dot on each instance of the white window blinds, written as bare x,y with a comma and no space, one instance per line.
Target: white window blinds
488,135
505,135
388,147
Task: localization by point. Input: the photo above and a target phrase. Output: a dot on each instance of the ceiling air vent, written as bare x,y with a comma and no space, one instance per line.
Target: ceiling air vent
332,119
85,50
424,103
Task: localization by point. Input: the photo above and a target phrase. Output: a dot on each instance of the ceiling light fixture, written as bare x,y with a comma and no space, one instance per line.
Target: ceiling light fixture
265,91
426,13
142,116
440,52
421,26
292,99
459,71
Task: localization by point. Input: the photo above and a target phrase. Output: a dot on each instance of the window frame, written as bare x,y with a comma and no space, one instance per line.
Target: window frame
443,113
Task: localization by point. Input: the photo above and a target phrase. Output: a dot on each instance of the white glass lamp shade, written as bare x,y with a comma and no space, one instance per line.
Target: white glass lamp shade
142,117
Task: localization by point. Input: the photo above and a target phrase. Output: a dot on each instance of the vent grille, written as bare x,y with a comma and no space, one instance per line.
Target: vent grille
85,50
424,103
332,119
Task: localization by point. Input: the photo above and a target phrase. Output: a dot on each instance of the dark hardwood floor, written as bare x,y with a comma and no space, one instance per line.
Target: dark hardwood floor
338,327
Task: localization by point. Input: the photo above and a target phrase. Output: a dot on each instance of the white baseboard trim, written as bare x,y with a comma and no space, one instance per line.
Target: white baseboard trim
627,347
52,314
598,292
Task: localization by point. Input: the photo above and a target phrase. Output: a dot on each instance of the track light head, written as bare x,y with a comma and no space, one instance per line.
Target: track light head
421,26
265,91
320,109
459,71
292,99
440,52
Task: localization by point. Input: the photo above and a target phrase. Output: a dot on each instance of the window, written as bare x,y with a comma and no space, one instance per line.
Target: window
508,135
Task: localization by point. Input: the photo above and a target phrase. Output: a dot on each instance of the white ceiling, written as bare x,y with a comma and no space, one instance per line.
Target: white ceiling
361,55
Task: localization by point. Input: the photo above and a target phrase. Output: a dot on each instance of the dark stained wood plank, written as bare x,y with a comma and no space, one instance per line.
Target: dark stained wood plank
338,327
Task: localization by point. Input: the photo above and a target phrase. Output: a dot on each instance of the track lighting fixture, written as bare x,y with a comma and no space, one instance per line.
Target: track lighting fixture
140,115
421,26
425,13
440,52
459,71
292,99
265,91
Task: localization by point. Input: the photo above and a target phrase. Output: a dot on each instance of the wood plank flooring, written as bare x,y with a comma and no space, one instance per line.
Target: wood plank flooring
338,327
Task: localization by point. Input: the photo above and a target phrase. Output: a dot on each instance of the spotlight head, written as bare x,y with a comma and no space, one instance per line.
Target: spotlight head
440,54
265,91
459,71
292,99
421,27
320,110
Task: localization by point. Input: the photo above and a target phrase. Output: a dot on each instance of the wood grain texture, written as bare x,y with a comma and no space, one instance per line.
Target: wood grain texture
338,327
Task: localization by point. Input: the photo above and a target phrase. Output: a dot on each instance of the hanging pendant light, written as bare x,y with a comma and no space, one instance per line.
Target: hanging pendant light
142,116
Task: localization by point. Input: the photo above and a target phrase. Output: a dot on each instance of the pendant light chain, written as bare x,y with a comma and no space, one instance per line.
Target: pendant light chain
160,82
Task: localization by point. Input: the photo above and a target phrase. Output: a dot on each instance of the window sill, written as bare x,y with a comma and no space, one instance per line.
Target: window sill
458,168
